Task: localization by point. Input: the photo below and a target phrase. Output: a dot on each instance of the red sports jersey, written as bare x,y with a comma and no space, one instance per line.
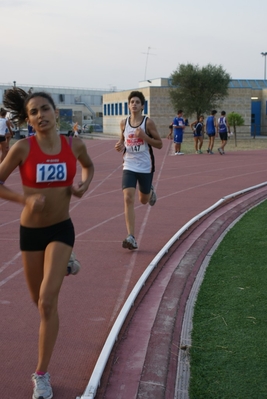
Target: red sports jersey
41,170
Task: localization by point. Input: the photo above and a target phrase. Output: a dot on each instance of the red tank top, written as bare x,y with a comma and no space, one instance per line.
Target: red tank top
41,170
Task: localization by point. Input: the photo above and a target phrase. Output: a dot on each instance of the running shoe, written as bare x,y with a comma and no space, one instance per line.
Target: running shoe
180,153
129,242
73,265
220,151
153,198
176,153
208,150
41,386
200,152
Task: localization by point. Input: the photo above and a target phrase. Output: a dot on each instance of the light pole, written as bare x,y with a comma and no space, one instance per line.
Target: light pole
147,55
264,55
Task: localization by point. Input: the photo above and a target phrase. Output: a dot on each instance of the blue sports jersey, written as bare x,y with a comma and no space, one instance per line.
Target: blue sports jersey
178,121
198,129
210,127
178,131
222,124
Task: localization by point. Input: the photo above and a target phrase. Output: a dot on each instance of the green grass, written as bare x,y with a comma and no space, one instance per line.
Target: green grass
228,357
241,145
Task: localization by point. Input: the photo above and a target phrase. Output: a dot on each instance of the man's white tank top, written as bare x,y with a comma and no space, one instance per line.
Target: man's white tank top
3,126
138,155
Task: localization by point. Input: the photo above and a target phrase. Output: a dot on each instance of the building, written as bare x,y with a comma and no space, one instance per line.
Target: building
246,97
107,108
74,104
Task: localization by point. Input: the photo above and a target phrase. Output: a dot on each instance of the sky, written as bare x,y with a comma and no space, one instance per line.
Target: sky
115,44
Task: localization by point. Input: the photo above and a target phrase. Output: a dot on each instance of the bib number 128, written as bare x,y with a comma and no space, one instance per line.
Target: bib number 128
47,173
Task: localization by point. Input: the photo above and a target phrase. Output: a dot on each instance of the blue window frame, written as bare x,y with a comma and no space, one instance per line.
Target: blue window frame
120,108
108,109
116,109
112,109
125,108
146,108
105,109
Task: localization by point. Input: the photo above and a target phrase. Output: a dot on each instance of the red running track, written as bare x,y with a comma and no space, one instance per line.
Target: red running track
90,302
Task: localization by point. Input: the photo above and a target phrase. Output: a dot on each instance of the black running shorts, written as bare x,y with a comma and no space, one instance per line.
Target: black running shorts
130,179
37,239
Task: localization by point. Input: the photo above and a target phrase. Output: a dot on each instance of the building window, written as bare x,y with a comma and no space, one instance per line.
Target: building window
125,108
105,109
145,108
120,108
112,109
108,109
116,109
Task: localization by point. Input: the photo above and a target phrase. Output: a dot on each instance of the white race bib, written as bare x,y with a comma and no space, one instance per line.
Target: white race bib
135,144
49,173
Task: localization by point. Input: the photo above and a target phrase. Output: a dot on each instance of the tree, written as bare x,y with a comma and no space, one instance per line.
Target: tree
198,90
235,119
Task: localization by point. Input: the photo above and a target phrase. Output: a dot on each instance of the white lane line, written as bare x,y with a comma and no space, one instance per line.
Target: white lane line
211,182
159,199
6,264
7,223
94,382
211,174
10,277
97,186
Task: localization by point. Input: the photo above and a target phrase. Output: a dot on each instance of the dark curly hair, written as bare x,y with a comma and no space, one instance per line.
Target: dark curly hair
138,94
16,100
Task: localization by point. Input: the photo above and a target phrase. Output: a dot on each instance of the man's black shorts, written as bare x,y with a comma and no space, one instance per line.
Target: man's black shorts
130,179
224,136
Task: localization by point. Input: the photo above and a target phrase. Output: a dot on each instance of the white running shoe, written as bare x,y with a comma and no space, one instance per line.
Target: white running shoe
153,198
180,153
41,386
129,242
73,265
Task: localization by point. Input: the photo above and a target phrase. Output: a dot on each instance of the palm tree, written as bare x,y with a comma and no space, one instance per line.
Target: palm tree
235,119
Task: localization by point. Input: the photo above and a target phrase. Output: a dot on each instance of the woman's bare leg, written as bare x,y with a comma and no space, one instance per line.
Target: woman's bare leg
45,272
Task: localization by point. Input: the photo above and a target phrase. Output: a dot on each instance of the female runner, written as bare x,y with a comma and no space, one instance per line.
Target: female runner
47,163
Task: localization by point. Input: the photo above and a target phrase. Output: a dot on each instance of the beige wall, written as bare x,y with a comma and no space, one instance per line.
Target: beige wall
162,113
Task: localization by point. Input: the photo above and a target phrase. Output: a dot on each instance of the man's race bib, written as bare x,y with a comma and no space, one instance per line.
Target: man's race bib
49,173
135,144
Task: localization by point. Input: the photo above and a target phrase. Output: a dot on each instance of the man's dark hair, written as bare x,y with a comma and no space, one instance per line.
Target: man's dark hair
223,113
213,112
180,111
138,94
